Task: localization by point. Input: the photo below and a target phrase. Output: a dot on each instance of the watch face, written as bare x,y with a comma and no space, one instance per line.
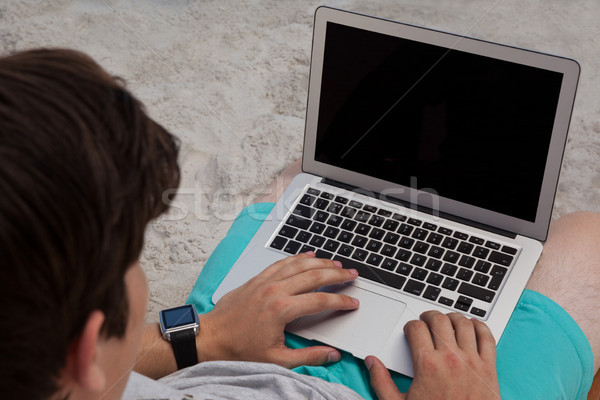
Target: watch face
178,316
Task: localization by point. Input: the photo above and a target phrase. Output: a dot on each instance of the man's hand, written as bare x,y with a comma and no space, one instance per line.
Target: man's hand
247,324
453,358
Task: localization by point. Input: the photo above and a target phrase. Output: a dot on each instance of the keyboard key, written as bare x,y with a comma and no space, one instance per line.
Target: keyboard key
450,243
307,199
369,208
481,252
433,265
331,245
476,292
478,311
419,274
348,212
463,303
390,225
391,238
359,254
278,242
323,254
376,233
406,242
359,241
331,232
399,217
429,226
362,216
460,235
414,221
346,250
335,220
421,247
420,234
414,287
321,204
313,191
432,293
317,240
303,237
305,248
288,231
321,216
450,284
481,279
482,266
404,269
317,227
501,258
362,229
464,274
445,231
292,247
388,250
435,238
495,282
356,204
348,224
335,208
435,279
372,273
345,237
451,256
466,261
446,301
341,199
509,250
435,252
492,245
476,240
374,259
298,222
389,264
403,255
418,259
376,220
384,213
328,196
465,248
449,269
405,229
374,245
304,211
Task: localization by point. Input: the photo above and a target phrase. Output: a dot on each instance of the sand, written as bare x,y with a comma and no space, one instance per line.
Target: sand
230,79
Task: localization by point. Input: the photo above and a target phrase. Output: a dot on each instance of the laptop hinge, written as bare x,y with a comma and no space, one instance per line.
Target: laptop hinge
422,209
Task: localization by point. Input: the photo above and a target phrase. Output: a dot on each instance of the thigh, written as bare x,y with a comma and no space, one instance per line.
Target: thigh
568,272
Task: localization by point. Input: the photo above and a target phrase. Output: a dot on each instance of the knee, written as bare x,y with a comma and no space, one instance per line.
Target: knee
579,225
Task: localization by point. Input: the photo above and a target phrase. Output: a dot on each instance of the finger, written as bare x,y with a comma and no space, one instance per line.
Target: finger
297,264
419,339
312,279
441,329
464,332
486,343
314,355
316,302
381,380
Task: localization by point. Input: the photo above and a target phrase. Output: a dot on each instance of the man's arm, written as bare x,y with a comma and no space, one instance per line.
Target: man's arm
453,357
248,323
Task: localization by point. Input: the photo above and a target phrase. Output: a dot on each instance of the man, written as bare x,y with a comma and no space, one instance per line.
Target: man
83,171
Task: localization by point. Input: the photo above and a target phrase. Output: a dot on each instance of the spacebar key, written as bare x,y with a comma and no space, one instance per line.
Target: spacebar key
371,273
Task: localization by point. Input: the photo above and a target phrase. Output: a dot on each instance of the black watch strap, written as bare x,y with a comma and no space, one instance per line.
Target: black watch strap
184,348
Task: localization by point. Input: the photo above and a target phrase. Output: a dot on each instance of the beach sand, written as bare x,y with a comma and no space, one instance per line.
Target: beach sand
230,80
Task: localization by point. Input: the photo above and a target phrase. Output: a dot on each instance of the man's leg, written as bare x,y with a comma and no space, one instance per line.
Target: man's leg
568,272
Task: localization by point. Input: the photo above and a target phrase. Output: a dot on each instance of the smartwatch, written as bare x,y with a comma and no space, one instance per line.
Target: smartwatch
180,326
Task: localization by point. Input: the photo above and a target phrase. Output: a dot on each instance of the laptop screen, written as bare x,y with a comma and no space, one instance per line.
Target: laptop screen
464,126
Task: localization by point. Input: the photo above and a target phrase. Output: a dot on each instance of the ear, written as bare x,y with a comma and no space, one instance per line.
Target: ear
83,357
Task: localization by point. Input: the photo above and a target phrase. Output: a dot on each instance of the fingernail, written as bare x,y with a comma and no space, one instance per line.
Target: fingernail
337,264
353,272
355,301
369,362
334,356
310,253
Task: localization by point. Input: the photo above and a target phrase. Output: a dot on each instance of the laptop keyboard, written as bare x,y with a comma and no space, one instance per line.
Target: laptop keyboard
439,264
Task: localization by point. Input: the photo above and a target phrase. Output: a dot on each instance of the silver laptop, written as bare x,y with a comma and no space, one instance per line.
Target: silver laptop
430,165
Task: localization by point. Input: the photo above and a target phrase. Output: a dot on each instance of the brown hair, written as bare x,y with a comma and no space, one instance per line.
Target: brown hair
82,171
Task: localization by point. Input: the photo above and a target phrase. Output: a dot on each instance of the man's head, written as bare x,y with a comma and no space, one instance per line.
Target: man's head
82,171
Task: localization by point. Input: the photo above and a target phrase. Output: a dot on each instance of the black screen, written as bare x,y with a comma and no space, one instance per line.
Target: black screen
467,127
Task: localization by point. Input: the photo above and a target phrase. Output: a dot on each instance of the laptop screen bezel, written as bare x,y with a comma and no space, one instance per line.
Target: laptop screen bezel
570,69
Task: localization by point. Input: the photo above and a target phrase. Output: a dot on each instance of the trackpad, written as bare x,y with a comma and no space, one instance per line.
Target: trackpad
361,332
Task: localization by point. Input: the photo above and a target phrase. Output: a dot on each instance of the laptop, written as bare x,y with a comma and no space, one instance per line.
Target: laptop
430,164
